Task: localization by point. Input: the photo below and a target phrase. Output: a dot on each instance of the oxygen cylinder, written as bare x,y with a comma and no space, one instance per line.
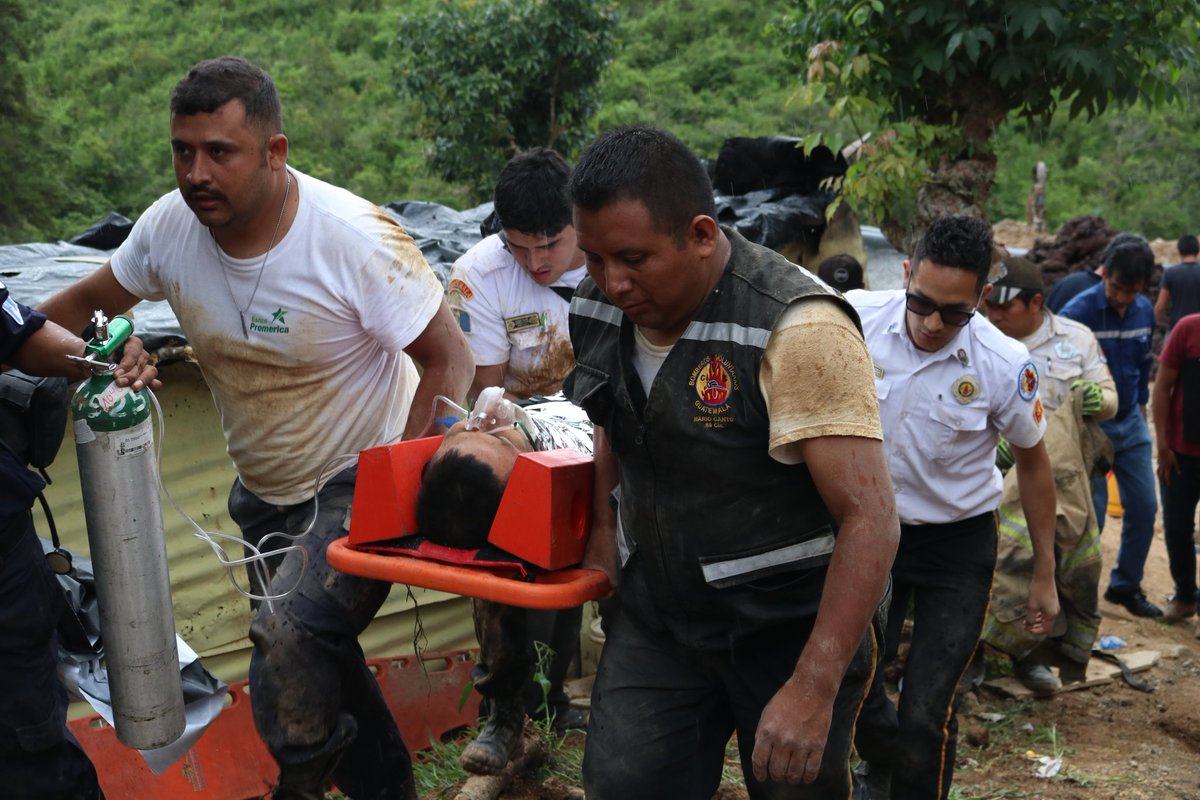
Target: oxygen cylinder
115,444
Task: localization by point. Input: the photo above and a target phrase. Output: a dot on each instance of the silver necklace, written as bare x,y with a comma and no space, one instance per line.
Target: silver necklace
287,190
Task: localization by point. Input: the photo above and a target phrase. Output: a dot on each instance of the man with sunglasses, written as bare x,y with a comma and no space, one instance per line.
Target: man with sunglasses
949,385
1078,391
511,292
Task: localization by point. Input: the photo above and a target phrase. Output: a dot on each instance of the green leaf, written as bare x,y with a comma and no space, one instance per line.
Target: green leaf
953,45
1054,20
971,44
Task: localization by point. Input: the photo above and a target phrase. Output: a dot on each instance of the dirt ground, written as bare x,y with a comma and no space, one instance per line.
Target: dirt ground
1116,743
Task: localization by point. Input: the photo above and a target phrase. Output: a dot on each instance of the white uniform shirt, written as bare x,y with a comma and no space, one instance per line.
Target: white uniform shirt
943,412
1066,351
323,371
509,318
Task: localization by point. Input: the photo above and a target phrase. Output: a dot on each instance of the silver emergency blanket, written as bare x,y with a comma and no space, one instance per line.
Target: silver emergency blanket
81,650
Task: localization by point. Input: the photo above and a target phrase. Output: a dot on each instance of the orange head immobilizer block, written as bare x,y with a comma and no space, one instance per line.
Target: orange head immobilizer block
544,515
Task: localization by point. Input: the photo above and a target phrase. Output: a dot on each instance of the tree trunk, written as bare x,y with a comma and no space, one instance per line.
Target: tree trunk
959,186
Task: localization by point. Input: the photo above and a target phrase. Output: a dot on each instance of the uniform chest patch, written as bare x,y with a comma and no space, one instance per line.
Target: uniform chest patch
1064,349
1027,381
966,389
523,322
714,381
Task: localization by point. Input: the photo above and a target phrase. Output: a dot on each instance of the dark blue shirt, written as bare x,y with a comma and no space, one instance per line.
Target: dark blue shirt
1126,341
1183,282
18,486
1066,289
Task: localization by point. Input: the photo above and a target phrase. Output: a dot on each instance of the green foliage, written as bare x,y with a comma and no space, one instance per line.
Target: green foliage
970,63
966,66
705,70
894,162
102,73
30,187
494,78
1136,168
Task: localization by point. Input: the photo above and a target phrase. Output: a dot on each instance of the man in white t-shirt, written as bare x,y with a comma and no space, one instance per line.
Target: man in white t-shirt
306,307
510,293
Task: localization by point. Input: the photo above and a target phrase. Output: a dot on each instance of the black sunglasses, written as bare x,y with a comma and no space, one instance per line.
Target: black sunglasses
922,306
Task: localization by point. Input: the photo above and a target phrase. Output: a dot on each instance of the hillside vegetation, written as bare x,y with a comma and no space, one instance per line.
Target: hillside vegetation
97,74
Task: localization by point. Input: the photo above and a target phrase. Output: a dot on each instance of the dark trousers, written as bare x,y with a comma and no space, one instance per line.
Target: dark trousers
946,570
507,655
317,705
1179,501
39,757
662,713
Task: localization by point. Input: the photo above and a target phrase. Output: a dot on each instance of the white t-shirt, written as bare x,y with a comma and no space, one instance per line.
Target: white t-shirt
943,412
509,318
323,372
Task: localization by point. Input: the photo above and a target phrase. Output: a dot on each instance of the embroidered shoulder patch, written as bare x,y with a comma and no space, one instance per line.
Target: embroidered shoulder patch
1038,411
460,286
1027,381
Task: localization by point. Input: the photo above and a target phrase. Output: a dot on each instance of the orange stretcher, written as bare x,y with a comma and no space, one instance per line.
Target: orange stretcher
544,518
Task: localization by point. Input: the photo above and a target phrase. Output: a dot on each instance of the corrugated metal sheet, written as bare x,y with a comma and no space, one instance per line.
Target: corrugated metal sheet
209,614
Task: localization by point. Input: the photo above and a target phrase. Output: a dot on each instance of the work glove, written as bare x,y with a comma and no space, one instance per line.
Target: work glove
1004,455
1093,397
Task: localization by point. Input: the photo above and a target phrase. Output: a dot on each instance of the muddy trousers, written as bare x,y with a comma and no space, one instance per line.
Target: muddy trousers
663,713
39,757
946,570
508,656
317,705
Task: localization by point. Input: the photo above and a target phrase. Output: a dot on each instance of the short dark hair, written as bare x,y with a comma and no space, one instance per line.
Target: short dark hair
531,193
213,83
650,165
457,500
1130,263
1121,239
1188,245
960,242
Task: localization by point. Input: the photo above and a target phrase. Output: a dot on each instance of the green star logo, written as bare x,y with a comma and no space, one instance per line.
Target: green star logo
277,317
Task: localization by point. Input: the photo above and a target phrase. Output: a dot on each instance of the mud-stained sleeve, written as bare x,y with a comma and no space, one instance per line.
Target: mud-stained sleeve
817,379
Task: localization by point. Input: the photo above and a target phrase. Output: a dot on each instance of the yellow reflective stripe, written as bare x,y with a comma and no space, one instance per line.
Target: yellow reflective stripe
1013,527
1087,549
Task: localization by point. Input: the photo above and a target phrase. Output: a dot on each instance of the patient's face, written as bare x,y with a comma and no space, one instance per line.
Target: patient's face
498,449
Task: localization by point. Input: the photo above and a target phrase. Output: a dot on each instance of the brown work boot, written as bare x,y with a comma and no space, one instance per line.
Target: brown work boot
1177,610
